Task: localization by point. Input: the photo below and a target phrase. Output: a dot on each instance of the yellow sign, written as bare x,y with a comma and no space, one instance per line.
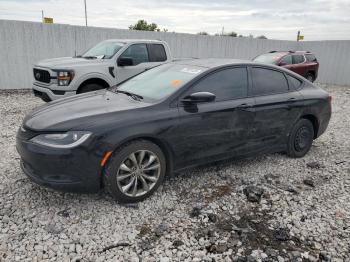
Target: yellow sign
301,37
48,20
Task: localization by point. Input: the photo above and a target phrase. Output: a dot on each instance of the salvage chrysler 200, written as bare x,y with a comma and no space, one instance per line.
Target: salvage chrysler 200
174,116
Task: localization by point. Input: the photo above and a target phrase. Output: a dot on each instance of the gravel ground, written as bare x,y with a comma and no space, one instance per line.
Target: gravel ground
268,208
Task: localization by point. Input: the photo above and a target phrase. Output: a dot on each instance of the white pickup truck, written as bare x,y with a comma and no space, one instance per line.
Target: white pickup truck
106,64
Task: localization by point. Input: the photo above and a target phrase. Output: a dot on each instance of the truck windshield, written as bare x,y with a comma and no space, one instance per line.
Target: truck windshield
104,50
161,81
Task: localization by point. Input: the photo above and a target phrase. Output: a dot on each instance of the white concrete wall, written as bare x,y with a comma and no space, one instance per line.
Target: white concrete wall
24,43
334,59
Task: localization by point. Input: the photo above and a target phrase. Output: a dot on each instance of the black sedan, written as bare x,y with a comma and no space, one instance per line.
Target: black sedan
174,116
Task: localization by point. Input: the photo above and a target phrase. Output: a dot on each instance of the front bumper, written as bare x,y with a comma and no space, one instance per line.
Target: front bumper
42,91
70,170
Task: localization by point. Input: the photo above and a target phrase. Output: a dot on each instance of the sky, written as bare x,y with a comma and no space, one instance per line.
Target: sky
276,19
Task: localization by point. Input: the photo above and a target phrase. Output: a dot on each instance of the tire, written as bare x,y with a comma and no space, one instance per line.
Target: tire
300,139
310,77
121,163
89,88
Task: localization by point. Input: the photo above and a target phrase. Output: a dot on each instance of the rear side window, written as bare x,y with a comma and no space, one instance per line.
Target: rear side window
138,52
294,83
226,84
156,53
310,58
267,81
287,60
297,59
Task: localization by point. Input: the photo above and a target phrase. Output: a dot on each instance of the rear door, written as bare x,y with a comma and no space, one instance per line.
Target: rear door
276,107
217,129
298,65
144,56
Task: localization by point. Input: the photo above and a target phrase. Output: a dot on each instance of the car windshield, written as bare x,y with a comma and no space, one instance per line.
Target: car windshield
104,50
161,81
270,58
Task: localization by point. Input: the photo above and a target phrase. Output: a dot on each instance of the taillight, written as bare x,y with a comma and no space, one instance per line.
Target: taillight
330,99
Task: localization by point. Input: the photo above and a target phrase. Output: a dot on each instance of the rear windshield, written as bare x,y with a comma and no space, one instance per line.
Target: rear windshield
270,58
161,81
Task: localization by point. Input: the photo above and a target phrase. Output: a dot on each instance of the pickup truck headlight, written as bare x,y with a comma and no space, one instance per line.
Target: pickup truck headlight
64,77
62,140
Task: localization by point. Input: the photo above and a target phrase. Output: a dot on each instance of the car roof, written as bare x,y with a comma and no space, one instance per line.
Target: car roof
289,52
127,41
210,63
218,62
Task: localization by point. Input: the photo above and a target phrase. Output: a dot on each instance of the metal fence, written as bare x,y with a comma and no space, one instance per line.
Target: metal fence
24,43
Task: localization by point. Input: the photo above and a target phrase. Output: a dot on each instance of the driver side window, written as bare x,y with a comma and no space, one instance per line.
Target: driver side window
138,53
226,84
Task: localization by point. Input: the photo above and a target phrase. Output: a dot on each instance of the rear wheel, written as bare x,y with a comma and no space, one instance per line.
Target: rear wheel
135,171
310,77
300,138
89,88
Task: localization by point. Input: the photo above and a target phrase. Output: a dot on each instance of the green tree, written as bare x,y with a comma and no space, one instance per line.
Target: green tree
202,33
144,26
261,37
233,34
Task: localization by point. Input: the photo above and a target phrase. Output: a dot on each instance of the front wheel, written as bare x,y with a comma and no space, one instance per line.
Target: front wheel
300,138
135,171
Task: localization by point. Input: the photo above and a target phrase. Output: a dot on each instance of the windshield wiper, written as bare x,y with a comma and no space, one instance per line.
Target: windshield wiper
132,95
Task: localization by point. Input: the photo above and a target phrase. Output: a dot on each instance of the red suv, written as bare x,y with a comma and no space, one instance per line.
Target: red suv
303,63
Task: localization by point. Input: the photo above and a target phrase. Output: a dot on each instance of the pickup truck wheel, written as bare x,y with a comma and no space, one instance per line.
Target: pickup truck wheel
89,88
310,77
134,171
300,138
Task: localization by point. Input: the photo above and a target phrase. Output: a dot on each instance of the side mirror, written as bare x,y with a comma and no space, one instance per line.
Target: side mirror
125,61
199,97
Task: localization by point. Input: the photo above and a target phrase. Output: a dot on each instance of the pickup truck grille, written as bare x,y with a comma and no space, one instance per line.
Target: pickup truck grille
41,75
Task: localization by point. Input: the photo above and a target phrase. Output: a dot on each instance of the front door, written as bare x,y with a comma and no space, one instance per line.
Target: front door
139,54
144,57
218,129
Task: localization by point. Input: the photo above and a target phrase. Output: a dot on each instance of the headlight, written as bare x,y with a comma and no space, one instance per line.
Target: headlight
64,77
62,140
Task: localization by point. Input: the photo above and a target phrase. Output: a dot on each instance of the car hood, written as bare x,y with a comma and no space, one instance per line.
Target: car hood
72,112
68,62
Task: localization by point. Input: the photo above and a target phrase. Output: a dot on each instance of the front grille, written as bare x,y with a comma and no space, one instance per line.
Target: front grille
42,75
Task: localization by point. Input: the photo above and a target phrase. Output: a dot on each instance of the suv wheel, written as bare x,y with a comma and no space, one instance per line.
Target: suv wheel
135,171
300,139
89,88
310,77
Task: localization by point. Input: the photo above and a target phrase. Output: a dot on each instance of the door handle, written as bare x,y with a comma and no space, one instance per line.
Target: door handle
244,106
292,99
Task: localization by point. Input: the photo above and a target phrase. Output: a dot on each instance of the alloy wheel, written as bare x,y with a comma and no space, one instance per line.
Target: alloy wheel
138,173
